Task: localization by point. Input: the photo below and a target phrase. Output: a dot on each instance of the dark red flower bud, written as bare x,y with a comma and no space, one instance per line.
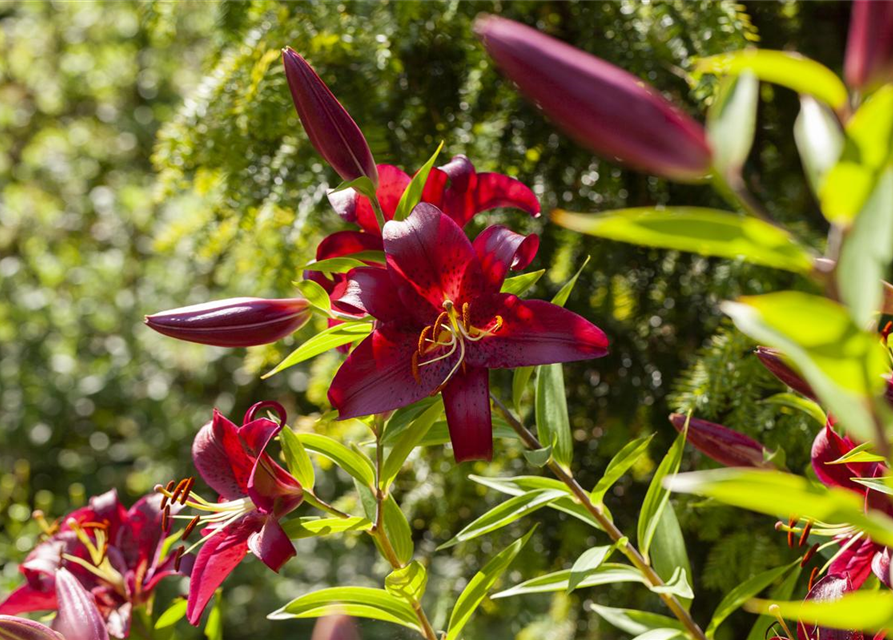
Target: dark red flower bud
778,366
722,444
331,129
234,322
603,107
869,49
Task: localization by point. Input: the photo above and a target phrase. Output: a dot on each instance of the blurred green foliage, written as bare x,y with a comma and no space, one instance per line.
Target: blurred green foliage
150,157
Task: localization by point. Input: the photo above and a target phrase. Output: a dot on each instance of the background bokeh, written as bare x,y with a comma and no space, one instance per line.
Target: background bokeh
150,157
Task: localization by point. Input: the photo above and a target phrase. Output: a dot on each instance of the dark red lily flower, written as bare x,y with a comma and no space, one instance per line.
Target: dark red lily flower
234,322
329,126
869,50
603,107
831,587
778,366
255,492
726,446
115,553
442,323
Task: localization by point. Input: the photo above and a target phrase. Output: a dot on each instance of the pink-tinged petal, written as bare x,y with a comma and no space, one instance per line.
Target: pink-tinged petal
234,322
827,447
430,253
272,489
345,243
831,587
26,598
166,569
393,183
337,627
880,565
378,374
869,50
466,399
489,191
460,171
40,565
726,446
533,332
329,126
272,545
12,628
344,202
216,559
603,107
855,562
117,620
78,618
775,362
220,459
369,291
500,249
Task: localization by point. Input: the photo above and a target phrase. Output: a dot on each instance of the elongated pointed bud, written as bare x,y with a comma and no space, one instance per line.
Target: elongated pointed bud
234,322
331,129
726,446
869,48
603,107
78,618
13,628
778,366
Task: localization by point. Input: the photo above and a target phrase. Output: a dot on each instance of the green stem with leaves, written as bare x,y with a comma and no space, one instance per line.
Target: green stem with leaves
582,496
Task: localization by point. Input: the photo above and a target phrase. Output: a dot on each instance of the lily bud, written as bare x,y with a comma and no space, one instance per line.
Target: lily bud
13,628
777,366
726,446
331,129
234,322
603,107
869,48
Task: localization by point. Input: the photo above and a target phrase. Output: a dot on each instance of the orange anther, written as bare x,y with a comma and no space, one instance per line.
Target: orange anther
803,536
422,337
438,324
812,575
189,528
415,367
187,490
466,319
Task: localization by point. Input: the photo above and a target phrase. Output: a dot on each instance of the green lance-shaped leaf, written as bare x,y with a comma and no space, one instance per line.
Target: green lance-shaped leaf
657,496
783,591
619,465
519,285
407,583
587,564
408,440
784,495
607,573
296,458
669,555
732,121
520,378
866,253
860,453
567,288
311,526
677,585
316,296
355,464
735,598
819,139
404,417
477,589
361,602
397,529
343,264
857,611
709,232
842,363
214,623
172,615
362,184
504,514
799,403
867,149
323,341
783,68
413,193
635,622
552,422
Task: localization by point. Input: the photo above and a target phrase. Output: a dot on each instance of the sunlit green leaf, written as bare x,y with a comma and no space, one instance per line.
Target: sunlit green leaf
552,422
407,583
296,458
406,442
860,453
668,554
350,461
308,527
539,457
413,193
316,296
172,615
676,585
857,611
587,563
731,122
564,292
619,465
794,401
635,622
518,285
735,598
520,378
361,602
607,573
657,496
819,139
362,184
343,264
330,338
397,529
709,232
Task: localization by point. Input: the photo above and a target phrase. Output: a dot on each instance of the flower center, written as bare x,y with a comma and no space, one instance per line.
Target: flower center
97,548
449,331
215,516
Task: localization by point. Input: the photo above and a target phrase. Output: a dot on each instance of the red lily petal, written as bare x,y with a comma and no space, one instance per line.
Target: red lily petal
435,187
490,191
393,183
880,565
272,545
345,243
271,488
368,290
26,598
140,538
221,460
216,560
431,254
378,374
460,171
855,562
12,628
466,398
827,447
500,249
78,618
533,332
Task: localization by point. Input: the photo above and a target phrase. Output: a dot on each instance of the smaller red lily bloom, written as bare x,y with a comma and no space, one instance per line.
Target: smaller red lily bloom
727,446
113,552
442,324
255,492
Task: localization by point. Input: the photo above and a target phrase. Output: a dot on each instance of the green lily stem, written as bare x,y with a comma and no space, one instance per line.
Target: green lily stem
378,531
582,496
379,214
